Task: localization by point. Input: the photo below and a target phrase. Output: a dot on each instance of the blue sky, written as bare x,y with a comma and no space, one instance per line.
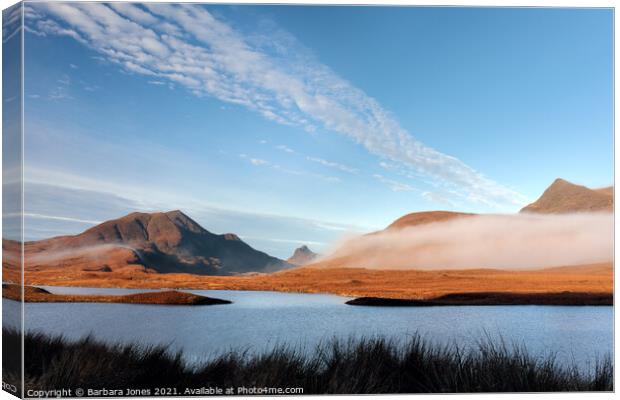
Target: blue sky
290,125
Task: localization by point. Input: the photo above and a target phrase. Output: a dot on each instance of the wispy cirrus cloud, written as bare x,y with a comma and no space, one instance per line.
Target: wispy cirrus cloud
332,164
59,93
437,198
61,218
392,184
11,22
285,149
318,160
259,162
277,78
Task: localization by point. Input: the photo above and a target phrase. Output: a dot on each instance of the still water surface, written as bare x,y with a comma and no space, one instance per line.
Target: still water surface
260,320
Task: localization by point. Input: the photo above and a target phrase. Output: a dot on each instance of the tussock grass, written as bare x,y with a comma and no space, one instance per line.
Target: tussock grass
355,366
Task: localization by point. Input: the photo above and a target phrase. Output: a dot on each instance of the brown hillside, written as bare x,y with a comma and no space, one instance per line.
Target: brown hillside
565,197
609,191
158,242
425,217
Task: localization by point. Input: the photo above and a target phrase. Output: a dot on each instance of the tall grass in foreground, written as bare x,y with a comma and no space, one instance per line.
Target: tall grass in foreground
353,366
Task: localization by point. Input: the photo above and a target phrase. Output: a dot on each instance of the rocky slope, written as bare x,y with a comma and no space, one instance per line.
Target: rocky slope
565,197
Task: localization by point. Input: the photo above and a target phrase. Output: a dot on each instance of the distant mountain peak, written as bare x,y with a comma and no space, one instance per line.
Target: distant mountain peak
563,196
302,256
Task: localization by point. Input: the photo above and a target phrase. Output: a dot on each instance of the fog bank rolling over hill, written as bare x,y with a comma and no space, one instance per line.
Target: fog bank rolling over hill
484,241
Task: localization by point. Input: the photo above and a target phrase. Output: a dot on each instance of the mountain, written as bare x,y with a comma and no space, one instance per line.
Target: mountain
158,242
566,197
425,217
453,240
302,256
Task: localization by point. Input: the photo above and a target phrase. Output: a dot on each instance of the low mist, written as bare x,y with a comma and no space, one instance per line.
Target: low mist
94,253
524,241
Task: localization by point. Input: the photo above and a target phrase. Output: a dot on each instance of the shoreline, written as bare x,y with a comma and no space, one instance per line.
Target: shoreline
493,299
33,294
168,296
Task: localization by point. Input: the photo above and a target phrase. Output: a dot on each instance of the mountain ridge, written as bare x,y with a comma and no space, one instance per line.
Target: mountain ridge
158,242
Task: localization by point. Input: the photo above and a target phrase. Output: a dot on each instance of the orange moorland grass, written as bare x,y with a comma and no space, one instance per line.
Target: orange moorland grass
352,282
